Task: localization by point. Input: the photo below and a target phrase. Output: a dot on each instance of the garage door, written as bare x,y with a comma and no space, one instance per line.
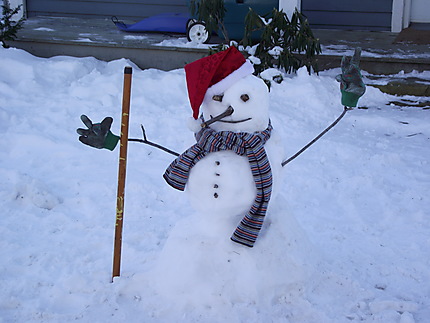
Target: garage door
124,9
349,14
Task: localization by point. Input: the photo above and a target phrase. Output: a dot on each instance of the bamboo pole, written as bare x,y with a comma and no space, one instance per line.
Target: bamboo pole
122,171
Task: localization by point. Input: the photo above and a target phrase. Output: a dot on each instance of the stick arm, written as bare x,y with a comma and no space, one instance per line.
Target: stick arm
345,109
153,144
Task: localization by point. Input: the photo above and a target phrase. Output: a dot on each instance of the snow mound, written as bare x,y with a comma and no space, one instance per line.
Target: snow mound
346,239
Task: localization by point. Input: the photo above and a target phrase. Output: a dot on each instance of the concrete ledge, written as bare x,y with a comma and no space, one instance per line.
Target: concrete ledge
374,65
168,58
405,87
51,36
163,58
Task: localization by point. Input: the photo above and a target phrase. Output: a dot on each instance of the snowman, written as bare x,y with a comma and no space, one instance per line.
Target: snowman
230,175
236,161
234,169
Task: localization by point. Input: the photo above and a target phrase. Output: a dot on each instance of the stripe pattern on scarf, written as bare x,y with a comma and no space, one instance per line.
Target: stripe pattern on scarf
250,145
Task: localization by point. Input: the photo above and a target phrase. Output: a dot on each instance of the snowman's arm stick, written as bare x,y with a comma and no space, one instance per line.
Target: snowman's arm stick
153,144
226,113
285,162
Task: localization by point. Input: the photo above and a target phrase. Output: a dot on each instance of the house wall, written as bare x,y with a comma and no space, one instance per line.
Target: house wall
389,15
14,4
288,6
349,14
133,10
420,11
406,12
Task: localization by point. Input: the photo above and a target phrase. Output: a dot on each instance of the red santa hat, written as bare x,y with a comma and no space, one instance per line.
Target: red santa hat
214,74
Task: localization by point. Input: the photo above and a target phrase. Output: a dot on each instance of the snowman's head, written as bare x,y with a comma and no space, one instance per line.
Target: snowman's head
249,97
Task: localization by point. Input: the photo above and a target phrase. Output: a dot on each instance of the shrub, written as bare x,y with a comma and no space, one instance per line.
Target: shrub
9,27
284,44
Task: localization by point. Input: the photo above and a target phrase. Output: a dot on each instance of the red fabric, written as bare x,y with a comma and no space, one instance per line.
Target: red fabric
207,71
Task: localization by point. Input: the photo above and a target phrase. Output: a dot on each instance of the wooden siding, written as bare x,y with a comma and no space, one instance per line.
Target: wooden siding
349,14
133,10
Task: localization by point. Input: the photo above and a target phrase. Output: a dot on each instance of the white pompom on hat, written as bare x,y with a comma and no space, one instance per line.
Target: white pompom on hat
214,74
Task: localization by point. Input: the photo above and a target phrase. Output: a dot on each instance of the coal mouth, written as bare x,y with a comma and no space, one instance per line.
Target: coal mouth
234,121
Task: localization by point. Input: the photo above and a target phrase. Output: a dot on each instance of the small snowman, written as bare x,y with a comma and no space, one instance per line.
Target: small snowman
236,161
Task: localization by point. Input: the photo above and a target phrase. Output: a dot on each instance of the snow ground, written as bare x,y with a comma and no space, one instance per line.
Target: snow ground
346,240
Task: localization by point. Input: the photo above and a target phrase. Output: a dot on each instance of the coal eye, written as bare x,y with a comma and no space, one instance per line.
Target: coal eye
244,97
217,97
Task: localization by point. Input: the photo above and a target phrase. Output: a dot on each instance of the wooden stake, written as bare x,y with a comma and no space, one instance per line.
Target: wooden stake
122,171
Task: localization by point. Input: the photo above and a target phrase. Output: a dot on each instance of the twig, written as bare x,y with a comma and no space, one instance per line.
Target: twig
153,144
226,113
285,162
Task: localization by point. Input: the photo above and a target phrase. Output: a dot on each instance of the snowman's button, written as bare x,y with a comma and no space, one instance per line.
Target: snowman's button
217,163
216,174
216,195
216,186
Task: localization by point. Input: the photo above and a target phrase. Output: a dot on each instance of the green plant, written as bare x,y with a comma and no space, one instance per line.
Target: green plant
212,13
284,44
9,27
217,48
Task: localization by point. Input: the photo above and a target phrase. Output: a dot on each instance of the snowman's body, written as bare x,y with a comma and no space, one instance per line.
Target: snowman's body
209,270
222,188
222,183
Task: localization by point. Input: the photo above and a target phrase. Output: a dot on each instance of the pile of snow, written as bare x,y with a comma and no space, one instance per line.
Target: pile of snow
182,42
346,239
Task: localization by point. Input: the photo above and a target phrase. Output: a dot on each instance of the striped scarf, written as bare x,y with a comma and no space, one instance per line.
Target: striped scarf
243,144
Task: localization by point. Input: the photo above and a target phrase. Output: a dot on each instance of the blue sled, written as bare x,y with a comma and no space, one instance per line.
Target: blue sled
166,22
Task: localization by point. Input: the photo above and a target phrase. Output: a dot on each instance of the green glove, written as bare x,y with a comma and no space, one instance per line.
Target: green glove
351,83
98,135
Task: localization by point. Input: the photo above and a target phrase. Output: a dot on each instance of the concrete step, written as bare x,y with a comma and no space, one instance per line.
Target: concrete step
410,91
381,55
401,102
50,36
413,86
